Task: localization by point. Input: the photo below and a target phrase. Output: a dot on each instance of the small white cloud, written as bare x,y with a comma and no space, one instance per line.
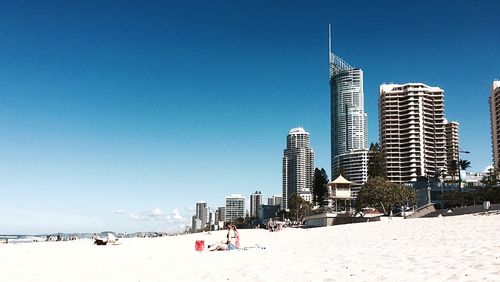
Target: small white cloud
135,216
156,213
175,214
120,211
153,214
175,217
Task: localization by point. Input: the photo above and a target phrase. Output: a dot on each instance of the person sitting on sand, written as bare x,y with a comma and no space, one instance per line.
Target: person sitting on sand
231,243
111,239
236,237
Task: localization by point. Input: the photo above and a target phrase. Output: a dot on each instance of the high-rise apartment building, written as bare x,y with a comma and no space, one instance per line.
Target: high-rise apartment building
270,201
221,214
255,202
495,122
235,207
202,212
195,224
412,130
348,122
275,200
451,142
298,166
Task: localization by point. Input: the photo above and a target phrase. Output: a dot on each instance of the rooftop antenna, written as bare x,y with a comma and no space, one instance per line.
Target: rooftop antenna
330,43
331,58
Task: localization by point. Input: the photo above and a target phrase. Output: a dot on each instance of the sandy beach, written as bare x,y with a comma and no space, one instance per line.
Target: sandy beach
461,248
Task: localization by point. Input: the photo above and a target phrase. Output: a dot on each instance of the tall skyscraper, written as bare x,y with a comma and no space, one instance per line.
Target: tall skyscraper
255,202
221,214
298,166
495,121
348,121
201,212
451,137
235,207
412,134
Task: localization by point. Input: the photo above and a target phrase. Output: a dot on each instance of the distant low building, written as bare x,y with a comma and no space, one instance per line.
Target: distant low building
265,212
474,179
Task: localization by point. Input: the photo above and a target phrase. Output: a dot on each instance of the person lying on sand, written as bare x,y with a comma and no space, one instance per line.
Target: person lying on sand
110,240
231,243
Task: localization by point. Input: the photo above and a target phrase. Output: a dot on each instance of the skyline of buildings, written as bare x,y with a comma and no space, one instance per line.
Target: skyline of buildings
298,166
415,137
349,139
412,130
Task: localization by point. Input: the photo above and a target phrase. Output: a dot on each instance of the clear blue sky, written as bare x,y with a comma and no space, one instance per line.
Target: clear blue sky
121,116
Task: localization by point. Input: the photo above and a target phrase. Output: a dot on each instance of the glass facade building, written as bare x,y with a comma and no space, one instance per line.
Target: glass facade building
349,138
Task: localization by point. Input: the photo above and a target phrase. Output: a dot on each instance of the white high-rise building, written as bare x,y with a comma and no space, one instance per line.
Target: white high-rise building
235,207
451,137
412,130
348,122
298,166
495,122
255,202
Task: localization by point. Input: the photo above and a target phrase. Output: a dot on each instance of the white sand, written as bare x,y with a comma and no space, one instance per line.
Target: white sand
462,248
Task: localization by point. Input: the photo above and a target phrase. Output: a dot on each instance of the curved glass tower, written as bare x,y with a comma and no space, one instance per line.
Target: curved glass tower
348,122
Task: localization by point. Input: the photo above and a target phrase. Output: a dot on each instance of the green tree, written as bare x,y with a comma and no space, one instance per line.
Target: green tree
320,183
383,195
438,175
298,207
492,178
376,162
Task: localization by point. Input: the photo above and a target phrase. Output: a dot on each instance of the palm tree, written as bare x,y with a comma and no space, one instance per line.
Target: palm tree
464,164
452,168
